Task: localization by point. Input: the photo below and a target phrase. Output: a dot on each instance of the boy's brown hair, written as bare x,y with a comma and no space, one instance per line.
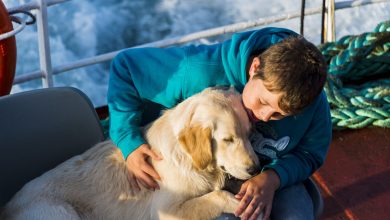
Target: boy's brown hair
297,69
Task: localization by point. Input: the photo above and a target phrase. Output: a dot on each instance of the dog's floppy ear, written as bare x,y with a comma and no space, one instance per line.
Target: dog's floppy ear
196,141
182,115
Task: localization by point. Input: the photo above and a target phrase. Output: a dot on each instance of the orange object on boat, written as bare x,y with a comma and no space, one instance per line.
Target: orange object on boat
7,53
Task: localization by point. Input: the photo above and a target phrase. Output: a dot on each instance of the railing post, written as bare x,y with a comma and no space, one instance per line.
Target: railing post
329,26
44,45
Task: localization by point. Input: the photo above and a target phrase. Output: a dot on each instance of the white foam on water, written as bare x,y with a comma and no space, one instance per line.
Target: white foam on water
81,29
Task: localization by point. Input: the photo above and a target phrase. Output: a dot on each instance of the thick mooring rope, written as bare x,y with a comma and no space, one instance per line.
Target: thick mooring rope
356,58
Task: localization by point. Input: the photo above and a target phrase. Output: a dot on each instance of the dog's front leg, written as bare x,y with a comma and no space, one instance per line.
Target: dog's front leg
208,206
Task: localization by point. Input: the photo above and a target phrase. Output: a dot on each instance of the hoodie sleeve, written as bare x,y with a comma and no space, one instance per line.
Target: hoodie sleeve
136,76
125,110
309,154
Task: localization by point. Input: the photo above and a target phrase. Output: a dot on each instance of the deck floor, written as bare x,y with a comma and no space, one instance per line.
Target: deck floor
355,178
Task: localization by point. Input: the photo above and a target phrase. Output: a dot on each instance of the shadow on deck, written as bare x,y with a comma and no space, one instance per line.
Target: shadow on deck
355,178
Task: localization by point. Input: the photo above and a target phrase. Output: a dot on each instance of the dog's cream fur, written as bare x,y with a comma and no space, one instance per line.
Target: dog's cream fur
201,140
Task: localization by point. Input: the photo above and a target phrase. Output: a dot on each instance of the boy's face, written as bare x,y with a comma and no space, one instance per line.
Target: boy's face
259,102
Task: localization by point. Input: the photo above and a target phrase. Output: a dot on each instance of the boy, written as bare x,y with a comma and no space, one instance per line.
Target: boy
280,75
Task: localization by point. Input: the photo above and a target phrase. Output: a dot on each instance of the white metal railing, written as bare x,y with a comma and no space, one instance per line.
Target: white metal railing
22,23
47,71
44,45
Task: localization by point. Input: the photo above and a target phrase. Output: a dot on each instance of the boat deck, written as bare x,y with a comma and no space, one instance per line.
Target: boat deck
355,178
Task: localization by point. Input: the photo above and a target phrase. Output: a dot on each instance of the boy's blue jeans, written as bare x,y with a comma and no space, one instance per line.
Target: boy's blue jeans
290,203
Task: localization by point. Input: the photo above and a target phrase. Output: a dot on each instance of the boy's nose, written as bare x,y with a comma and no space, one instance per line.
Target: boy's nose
265,115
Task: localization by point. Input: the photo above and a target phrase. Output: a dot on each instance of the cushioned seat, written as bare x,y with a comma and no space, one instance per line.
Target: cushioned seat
39,129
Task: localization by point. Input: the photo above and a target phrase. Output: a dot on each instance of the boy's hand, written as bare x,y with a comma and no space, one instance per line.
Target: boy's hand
140,170
256,195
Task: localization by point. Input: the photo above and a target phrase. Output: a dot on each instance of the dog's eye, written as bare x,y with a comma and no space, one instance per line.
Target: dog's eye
228,139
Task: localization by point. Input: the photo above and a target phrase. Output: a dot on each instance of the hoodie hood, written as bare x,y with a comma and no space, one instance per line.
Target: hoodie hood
237,50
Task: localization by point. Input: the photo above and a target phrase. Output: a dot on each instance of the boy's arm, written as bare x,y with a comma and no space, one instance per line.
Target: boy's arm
310,152
137,76
125,107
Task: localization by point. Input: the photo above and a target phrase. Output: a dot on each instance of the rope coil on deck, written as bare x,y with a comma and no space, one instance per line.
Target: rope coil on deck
354,58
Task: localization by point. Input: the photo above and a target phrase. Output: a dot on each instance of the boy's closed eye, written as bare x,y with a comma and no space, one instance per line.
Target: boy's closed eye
277,115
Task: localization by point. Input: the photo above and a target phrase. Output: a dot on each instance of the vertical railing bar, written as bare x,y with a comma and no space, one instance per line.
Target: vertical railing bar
44,45
329,32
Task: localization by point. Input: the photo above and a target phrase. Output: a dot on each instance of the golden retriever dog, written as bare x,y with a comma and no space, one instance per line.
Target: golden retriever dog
202,140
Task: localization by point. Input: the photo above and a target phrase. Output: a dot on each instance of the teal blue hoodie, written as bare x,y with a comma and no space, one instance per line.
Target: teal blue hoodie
166,76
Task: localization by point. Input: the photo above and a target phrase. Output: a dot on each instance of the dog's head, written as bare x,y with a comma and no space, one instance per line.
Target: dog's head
213,129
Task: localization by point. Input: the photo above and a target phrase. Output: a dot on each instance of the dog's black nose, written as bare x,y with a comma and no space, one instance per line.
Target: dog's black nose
253,170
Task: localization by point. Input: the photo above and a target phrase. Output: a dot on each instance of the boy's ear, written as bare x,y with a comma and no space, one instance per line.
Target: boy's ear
254,65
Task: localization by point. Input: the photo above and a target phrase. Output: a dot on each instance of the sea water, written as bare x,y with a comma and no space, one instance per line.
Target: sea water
80,29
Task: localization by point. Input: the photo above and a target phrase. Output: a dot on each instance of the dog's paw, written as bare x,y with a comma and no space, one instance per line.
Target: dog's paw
231,203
